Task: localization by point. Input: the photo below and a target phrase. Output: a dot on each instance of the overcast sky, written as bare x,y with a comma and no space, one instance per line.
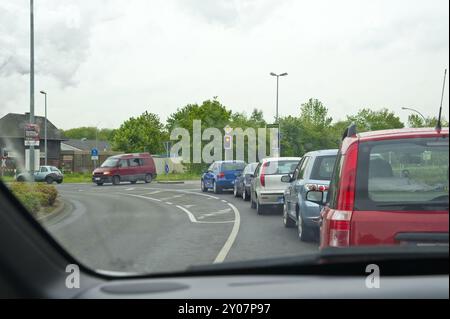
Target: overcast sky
103,61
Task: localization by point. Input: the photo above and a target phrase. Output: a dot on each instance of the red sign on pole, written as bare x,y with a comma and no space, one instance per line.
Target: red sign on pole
31,135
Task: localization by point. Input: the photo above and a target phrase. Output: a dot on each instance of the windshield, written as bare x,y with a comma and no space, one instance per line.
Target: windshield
149,137
280,167
110,162
232,166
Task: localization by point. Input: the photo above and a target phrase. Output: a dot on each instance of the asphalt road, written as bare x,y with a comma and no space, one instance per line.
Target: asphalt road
153,228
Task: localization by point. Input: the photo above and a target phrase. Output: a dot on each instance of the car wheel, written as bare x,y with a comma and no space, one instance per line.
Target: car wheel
235,191
216,188
21,179
305,234
148,178
116,180
133,182
203,187
59,181
99,184
49,180
245,196
287,221
259,208
252,202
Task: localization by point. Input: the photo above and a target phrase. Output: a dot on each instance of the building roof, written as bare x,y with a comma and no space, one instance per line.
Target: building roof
85,145
12,125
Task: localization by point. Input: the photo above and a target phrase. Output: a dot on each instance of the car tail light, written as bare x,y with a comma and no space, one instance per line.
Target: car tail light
346,196
340,228
262,177
316,187
221,175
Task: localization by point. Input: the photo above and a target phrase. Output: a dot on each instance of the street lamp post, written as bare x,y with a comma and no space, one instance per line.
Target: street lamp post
414,110
32,120
276,114
45,128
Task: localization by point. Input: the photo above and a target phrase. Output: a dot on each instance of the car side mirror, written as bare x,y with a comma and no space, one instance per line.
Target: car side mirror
286,178
315,197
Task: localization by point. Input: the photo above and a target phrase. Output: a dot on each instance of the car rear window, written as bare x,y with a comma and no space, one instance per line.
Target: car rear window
407,174
280,167
232,166
323,168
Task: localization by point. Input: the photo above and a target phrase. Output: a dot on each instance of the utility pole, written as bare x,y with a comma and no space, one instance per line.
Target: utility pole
276,113
32,120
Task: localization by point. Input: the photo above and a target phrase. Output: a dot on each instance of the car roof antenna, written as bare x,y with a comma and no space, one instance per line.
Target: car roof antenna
439,122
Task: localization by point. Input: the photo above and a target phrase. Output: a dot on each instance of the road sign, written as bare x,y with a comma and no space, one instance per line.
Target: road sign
94,158
31,135
94,152
166,168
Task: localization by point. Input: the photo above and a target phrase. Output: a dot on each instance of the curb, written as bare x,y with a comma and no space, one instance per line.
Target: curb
170,182
58,210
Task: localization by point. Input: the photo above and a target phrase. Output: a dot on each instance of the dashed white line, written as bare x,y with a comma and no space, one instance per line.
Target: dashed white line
194,220
169,203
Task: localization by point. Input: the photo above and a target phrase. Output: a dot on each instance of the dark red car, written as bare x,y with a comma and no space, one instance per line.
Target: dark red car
388,187
125,168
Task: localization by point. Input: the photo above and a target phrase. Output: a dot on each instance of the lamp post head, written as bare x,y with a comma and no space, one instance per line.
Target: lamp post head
273,74
284,74
43,92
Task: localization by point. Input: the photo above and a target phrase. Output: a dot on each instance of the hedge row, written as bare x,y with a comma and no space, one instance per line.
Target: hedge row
34,196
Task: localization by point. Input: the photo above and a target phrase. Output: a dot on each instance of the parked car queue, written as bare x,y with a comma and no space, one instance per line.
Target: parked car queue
385,187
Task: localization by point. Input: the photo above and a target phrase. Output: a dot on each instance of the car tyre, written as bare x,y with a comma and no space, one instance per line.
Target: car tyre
252,202
235,191
305,233
287,221
133,182
148,178
99,184
59,181
217,189
259,208
49,180
245,196
116,180
203,187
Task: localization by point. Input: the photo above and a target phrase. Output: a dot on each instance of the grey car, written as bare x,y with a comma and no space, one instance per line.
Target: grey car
312,173
243,182
48,174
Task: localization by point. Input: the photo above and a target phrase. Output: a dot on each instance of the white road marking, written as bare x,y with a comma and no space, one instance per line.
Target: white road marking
130,189
224,201
153,193
229,243
174,196
169,203
140,196
194,220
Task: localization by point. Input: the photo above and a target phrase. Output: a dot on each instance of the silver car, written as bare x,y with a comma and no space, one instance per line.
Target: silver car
48,174
267,189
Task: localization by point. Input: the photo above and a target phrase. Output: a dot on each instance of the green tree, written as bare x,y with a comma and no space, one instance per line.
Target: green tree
369,120
142,134
416,121
90,133
315,114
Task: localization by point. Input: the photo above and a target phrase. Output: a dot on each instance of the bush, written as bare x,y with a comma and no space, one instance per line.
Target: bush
30,201
34,196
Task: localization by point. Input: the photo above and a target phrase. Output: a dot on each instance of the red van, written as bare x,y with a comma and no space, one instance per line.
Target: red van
388,188
125,168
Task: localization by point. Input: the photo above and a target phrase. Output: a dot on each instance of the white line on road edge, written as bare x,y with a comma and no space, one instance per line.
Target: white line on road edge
130,189
229,243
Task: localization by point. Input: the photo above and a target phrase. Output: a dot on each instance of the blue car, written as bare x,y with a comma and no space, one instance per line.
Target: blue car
312,173
221,175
